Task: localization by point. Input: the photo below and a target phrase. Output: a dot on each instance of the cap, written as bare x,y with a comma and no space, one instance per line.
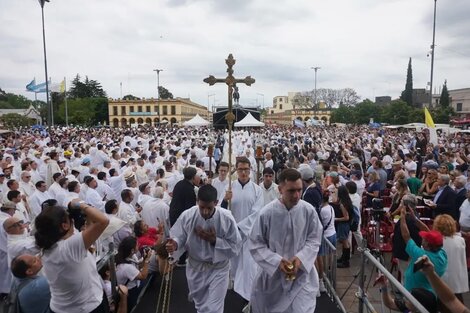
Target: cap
306,172
433,237
357,173
67,153
86,160
333,174
143,186
7,204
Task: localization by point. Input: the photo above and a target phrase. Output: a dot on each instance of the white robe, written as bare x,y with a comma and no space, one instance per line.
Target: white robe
221,187
280,233
36,201
155,211
207,270
5,273
246,202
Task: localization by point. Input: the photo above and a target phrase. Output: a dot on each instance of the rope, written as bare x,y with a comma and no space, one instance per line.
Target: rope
165,288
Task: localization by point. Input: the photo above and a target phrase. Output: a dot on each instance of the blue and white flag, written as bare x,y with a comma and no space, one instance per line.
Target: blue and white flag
31,85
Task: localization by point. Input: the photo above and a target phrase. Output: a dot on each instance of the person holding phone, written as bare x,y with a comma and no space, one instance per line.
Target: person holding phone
431,246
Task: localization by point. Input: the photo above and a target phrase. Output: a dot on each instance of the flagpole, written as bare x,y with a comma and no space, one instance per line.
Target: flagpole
50,114
66,108
52,108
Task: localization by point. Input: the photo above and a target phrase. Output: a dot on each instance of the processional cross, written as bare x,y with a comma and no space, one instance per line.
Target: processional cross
231,82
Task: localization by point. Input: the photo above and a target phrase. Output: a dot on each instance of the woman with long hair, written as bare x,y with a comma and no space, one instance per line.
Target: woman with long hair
456,275
343,226
69,267
430,185
130,270
401,188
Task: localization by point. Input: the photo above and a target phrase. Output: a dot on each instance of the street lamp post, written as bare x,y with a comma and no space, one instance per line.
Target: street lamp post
432,54
316,68
158,93
49,109
208,105
261,94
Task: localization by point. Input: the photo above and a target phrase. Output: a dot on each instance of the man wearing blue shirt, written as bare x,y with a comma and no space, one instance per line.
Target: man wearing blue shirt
431,247
33,294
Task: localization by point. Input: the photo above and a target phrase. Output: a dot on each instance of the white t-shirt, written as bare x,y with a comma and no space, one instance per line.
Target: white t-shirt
127,273
71,272
327,214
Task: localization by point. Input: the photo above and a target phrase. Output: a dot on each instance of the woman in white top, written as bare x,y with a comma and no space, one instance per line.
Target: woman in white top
327,219
69,267
456,275
130,270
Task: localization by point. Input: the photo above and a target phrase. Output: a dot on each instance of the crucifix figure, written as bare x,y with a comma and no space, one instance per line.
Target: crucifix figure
230,117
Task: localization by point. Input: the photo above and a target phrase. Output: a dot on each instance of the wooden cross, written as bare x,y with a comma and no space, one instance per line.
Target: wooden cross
230,117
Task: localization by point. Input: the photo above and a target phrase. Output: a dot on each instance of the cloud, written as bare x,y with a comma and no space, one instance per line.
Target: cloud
363,44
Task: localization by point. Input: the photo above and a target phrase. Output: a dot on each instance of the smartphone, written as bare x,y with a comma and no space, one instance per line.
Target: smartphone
419,264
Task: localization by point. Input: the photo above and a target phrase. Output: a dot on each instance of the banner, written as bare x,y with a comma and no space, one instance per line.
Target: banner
31,85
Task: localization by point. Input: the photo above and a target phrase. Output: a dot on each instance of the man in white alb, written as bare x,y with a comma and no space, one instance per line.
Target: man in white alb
284,243
210,236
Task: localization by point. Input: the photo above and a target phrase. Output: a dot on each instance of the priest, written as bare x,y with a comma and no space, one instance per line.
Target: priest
284,242
210,236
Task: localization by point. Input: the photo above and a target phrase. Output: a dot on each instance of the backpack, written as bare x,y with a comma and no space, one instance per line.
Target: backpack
354,220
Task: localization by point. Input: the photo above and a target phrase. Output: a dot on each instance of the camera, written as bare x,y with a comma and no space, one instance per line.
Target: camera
377,204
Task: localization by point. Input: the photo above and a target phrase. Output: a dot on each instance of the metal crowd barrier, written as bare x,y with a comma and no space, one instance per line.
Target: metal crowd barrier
329,272
363,300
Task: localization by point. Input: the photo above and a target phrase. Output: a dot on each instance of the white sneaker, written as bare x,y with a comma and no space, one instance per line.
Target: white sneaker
322,286
318,293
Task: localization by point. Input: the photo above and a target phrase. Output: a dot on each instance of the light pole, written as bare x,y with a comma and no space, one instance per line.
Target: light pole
316,68
261,94
158,93
432,54
49,109
208,96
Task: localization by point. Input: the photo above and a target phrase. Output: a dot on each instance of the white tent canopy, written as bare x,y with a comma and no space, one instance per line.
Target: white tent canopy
196,121
249,121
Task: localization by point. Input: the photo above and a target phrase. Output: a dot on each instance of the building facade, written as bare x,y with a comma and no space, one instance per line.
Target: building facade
31,113
460,102
124,113
287,108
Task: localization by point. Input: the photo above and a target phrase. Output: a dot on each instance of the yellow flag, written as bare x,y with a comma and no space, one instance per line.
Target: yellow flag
428,119
62,86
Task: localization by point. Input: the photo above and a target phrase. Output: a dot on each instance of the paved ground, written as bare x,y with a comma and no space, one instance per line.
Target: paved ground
346,276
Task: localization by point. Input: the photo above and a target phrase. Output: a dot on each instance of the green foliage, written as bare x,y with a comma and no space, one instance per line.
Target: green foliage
407,94
365,111
130,97
12,101
14,120
442,115
397,112
164,93
87,89
83,111
445,98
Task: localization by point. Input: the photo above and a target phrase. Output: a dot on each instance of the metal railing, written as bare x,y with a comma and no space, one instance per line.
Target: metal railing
363,299
329,272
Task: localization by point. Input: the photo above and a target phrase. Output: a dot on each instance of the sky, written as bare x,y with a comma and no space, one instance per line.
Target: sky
359,44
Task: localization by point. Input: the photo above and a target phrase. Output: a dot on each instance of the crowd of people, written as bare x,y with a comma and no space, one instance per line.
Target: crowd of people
253,219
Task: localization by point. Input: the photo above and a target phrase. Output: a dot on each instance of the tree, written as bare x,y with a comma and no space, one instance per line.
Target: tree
397,112
334,97
342,114
407,94
130,97
87,89
364,111
164,93
445,98
15,120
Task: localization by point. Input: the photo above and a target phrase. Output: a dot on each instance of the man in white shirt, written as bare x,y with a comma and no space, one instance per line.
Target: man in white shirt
270,189
26,186
156,211
55,189
38,198
92,197
127,212
221,182
144,195
19,241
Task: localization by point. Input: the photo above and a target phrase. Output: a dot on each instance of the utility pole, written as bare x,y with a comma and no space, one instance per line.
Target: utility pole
433,46
316,68
158,93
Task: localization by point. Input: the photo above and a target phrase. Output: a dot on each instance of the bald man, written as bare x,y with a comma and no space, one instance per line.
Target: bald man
19,240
